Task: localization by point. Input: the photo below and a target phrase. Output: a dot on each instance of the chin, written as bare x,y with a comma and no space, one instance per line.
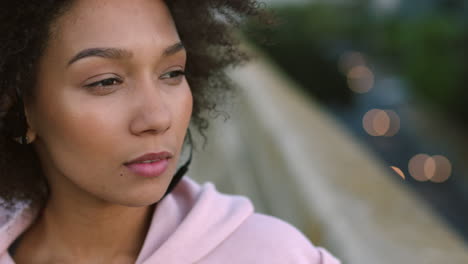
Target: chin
143,193
139,202
138,199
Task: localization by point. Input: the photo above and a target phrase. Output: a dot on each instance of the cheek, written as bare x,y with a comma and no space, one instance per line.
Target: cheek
188,105
85,143
183,111
88,140
76,135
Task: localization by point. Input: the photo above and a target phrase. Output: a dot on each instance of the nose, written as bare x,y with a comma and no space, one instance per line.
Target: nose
151,113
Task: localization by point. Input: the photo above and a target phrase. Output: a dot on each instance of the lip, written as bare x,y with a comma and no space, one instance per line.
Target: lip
154,164
151,156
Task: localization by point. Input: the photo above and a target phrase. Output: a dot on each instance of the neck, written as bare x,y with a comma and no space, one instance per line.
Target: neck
94,232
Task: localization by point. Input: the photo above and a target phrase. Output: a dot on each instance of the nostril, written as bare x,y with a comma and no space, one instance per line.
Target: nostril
151,122
157,131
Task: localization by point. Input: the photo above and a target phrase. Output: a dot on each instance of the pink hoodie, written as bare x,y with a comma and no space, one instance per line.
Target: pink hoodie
197,224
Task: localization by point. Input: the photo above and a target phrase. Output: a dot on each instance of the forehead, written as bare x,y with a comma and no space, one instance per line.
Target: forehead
115,23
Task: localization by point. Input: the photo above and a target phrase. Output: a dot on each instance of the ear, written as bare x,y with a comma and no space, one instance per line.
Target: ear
31,132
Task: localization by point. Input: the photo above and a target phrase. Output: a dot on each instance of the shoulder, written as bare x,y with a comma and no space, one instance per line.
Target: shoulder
225,229
268,229
267,239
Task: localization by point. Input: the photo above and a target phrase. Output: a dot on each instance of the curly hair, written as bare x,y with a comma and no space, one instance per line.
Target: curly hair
205,27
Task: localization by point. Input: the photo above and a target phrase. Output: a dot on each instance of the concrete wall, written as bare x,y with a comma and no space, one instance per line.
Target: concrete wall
295,162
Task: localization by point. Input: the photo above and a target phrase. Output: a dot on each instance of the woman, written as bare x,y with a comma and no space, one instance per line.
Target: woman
96,110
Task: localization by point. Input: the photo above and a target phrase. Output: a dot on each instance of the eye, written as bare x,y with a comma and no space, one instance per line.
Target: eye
173,77
104,86
105,82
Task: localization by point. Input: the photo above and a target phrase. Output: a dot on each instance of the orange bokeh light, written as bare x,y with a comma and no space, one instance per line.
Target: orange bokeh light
424,167
398,171
377,122
360,79
394,127
443,169
417,168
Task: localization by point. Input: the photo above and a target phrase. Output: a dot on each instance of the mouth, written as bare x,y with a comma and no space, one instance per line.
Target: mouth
150,165
151,157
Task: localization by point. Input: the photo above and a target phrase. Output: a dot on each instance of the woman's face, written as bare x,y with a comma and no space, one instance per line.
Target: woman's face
109,90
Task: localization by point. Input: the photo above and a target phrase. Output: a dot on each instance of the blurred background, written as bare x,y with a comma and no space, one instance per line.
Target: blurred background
352,124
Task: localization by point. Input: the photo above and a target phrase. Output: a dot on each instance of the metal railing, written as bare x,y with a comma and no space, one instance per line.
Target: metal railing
297,163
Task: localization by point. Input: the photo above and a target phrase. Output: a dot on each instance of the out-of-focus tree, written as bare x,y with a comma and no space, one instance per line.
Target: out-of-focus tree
424,41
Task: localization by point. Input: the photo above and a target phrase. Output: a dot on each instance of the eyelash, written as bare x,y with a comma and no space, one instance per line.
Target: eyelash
115,81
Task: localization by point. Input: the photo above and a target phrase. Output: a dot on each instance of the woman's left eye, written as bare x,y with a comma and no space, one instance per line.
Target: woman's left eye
173,77
105,82
105,86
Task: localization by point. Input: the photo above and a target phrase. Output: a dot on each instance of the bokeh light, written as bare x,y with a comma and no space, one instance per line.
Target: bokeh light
381,122
399,172
394,127
368,121
443,169
360,79
417,167
377,122
423,167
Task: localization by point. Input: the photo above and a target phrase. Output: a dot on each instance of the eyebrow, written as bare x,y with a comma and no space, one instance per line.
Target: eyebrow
118,53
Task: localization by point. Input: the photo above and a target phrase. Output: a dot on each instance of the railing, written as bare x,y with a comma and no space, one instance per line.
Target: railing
295,162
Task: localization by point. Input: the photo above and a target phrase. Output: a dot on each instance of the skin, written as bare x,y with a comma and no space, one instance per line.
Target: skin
84,130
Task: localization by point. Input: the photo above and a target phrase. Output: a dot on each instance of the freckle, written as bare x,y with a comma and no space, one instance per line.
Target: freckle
121,174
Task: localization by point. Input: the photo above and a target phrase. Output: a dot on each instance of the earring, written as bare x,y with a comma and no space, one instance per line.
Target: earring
25,139
21,140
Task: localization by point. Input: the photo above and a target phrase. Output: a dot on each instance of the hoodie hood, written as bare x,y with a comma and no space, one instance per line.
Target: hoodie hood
197,224
192,217
192,221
